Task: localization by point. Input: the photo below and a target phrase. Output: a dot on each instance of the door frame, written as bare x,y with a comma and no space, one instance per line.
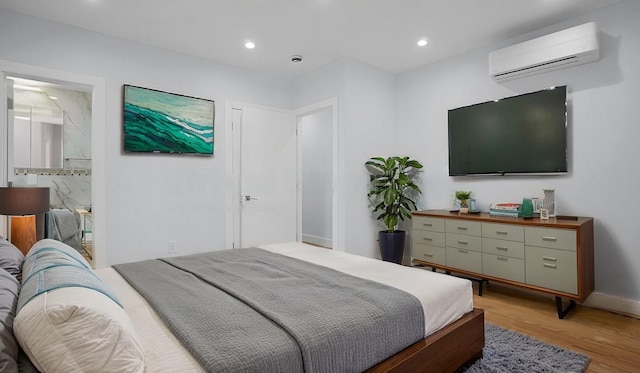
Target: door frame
232,176
97,86
332,103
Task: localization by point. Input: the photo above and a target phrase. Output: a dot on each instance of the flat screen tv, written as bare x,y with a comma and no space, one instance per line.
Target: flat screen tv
162,122
524,134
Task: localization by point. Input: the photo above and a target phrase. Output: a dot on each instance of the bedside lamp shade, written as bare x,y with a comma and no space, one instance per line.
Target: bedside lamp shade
24,201
25,231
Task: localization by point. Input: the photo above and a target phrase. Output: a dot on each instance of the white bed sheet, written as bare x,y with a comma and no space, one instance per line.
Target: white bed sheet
444,299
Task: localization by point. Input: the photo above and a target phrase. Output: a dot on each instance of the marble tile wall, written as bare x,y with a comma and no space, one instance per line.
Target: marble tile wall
70,186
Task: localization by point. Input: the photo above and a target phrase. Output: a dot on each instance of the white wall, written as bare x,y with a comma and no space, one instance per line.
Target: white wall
150,199
603,133
370,131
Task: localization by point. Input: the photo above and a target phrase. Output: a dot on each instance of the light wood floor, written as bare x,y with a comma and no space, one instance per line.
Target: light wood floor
611,340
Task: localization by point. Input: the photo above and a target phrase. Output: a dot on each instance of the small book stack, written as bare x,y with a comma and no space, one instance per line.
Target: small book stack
505,209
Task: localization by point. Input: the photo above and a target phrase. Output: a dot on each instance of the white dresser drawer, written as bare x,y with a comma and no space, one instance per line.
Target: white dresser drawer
512,249
503,267
431,254
564,239
428,238
463,241
463,227
551,268
468,260
428,224
503,231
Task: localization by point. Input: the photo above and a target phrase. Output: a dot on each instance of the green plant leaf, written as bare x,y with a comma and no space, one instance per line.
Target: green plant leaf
392,188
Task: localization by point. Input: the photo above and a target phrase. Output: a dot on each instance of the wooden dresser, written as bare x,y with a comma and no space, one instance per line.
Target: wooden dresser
553,256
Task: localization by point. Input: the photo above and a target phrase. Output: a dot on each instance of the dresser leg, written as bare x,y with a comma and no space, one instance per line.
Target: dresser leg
563,312
480,282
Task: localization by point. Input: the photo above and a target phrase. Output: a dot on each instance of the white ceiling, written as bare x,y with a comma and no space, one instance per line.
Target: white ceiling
382,33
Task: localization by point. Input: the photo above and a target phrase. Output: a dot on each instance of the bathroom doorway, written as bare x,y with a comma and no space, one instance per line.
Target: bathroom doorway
48,144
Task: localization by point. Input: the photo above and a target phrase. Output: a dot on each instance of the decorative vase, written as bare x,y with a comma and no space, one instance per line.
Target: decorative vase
549,202
527,208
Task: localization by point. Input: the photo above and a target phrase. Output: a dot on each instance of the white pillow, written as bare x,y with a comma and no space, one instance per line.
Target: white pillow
68,319
77,329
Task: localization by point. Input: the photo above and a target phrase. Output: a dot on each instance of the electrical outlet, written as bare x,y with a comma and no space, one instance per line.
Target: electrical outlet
172,248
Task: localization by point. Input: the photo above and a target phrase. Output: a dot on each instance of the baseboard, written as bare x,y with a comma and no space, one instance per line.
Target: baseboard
320,241
615,304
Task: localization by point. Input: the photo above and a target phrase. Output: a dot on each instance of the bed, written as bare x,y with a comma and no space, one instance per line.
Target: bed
452,332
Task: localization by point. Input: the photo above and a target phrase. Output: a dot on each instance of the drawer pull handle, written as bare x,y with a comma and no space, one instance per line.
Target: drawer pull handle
548,238
462,228
462,242
428,255
503,258
427,224
549,259
548,265
502,248
427,238
463,251
501,232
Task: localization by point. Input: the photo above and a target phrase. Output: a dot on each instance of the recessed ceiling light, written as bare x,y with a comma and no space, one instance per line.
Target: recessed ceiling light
53,97
249,45
422,42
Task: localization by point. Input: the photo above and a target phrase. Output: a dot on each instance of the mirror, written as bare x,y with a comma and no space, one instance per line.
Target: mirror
37,135
49,128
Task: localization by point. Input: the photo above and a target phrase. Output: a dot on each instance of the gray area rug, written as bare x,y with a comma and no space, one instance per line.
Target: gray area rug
507,351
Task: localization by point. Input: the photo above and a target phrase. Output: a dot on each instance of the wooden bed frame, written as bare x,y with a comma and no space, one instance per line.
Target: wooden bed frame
444,351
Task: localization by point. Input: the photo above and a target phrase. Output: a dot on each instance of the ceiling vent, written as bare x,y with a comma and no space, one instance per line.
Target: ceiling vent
567,48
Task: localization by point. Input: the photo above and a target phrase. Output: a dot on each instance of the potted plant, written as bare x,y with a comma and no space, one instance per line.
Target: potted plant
462,199
391,195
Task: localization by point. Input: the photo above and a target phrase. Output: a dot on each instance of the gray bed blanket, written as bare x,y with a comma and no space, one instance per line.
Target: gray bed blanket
250,310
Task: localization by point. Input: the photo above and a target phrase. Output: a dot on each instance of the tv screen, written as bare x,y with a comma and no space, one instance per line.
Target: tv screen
162,122
523,134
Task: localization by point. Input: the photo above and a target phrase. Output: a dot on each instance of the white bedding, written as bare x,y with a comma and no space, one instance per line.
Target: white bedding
444,299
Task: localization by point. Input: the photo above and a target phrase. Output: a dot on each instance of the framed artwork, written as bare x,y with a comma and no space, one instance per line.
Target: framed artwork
544,214
162,122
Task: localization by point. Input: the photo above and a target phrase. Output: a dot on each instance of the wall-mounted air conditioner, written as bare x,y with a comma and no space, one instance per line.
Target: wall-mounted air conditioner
571,47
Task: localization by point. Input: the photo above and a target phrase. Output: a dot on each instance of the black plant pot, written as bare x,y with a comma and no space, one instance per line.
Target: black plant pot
391,246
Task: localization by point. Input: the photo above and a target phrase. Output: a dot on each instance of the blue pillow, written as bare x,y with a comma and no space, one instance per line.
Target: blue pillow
51,265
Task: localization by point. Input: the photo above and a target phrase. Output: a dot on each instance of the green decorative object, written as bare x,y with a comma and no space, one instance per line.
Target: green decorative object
527,208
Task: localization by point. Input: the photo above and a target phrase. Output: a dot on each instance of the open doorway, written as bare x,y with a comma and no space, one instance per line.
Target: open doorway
316,149
49,145
320,205
47,128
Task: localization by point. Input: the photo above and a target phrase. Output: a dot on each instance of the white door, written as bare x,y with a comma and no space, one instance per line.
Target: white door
268,177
